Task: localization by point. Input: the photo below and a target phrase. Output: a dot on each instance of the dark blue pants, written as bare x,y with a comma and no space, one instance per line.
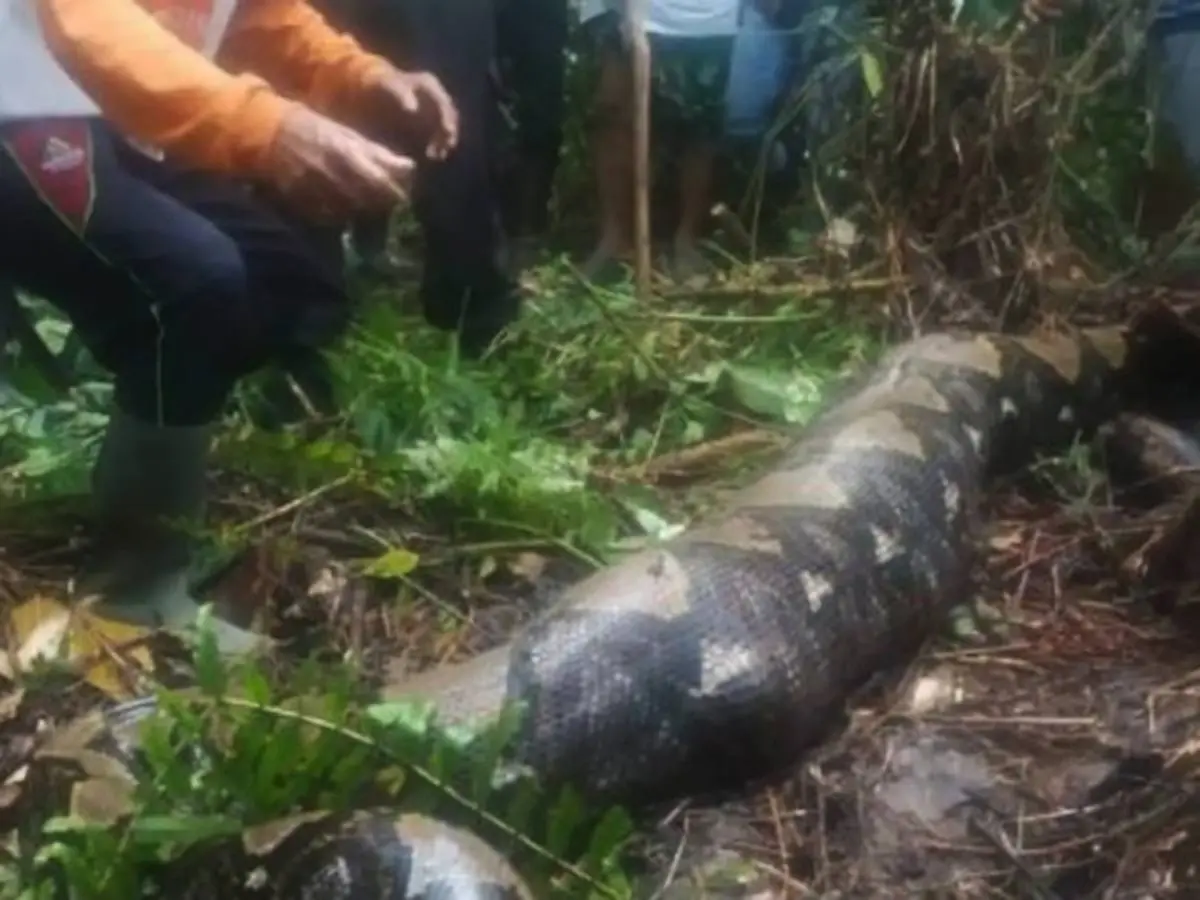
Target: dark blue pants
178,282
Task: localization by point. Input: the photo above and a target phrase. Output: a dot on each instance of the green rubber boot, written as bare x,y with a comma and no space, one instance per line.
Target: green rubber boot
148,479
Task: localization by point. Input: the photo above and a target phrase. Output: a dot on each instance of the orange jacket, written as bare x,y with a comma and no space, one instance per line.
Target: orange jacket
158,89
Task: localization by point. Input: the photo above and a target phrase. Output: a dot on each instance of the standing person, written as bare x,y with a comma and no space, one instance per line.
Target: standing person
128,153
465,283
532,52
758,72
1174,46
1169,186
691,43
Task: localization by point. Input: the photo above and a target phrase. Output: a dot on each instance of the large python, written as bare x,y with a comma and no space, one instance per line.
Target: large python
719,658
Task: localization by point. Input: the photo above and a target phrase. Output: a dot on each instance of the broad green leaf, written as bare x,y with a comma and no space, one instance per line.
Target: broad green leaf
158,830
488,750
212,676
565,817
608,839
872,72
519,816
412,717
392,780
395,563
784,396
256,688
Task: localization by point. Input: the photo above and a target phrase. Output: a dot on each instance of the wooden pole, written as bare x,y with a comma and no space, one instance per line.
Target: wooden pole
640,46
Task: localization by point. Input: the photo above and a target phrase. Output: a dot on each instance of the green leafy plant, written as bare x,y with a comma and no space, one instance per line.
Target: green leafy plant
232,755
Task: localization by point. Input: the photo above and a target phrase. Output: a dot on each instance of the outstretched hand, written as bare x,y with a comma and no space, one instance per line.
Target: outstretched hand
327,171
421,95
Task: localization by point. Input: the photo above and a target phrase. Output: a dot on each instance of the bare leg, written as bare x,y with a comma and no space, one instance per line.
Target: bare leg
695,192
614,176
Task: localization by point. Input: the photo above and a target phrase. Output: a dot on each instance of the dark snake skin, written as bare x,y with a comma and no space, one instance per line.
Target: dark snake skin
721,657
1151,459
725,654
365,855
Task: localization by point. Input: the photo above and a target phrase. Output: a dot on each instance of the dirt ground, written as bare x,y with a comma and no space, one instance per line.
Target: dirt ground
1058,760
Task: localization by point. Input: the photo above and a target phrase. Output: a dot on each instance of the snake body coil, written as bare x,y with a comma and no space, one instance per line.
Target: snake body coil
723,655
719,658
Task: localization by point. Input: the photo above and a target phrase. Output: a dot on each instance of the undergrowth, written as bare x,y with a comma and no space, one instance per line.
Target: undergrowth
588,379
235,753
959,185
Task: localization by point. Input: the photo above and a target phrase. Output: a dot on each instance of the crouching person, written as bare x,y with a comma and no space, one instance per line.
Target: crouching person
131,167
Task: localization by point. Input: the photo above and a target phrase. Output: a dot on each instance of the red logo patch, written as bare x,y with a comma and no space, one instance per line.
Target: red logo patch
56,157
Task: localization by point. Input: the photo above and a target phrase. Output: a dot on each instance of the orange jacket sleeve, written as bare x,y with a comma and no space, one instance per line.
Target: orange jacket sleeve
155,88
291,45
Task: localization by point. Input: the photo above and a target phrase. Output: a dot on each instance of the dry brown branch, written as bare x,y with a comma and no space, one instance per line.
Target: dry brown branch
960,164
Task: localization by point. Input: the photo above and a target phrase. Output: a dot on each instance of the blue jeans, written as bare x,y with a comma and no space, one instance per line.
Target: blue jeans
813,54
757,73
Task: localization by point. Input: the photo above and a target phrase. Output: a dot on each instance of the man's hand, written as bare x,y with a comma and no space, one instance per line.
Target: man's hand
326,170
421,95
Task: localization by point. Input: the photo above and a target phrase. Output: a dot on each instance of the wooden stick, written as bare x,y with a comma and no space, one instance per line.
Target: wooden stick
640,46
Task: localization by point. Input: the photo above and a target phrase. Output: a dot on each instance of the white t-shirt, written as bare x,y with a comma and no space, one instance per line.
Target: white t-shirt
682,18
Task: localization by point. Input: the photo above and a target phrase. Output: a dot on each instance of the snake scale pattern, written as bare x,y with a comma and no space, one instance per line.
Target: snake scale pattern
719,658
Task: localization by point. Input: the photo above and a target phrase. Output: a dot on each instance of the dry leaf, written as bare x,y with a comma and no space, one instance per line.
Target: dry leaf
10,704
529,566
101,651
1007,540
102,801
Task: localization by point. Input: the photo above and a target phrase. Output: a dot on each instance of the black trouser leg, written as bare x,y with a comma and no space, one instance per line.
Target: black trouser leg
532,41
465,285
